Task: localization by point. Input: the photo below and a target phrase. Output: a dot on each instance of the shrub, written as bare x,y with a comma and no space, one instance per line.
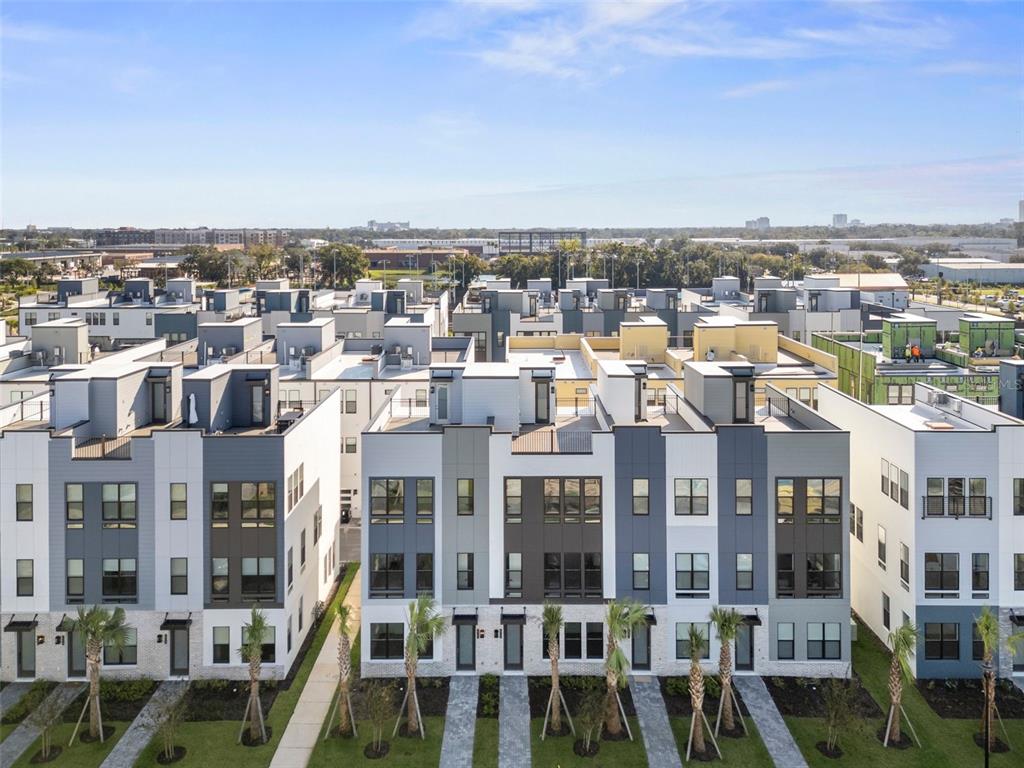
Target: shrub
125,690
779,682
712,687
29,702
489,695
678,686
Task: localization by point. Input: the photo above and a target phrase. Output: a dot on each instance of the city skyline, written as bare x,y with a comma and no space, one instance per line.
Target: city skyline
509,114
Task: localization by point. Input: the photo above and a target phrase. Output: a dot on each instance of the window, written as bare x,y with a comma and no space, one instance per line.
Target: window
824,497
744,496
552,574
744,571
350,445
977,644
258,503
513,500
387,575
219,578
942,641
465,496
881,548
219,505
905,565
302,612
979,572
296,486
683,639
76,580
978,501
302,549
30,318
784,639
23,501
934,503
421,398
127,654
573,640
288,635
514,574
592,586
545,638
179,575
387,500
641,496
572,578
571,499
350,401
149,318
386,641
25,583
318,524
258,577
179,501
900,394
860,523
552,499
289,573
955,489
464,570
691,496
693,572
117,318
268,646
221,645
784,500
1018,572
641,570
1018,495
119,505
824,572
595,640
425,573
823,641
424,500
941,571
785,575
592,500
885,477
119,577
886,619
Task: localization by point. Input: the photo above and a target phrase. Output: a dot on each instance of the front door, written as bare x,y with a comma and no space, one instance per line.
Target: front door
543,402
27,653
442,403
513,646
159,402
179,652
465,646
76,654
642,647
257,404
745,647
741,395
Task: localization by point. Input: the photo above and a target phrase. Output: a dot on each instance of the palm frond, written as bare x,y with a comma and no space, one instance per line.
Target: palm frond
727,622
552,618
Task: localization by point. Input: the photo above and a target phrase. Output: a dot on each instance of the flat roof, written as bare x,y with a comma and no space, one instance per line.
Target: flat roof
568,363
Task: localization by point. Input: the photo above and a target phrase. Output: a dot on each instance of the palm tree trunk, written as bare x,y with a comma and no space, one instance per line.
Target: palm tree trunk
725,673
895,697
990,708
95,649
410,673
556,699
697,704
255,732
613,723
344,673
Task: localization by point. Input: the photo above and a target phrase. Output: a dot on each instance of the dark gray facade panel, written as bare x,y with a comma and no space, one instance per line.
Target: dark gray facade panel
408,538
964,617
640,453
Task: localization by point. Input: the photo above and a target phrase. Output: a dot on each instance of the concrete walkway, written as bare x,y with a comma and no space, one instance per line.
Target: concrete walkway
145,725
11,694
659,740
304,728
460,723
25,735
774,733
514,723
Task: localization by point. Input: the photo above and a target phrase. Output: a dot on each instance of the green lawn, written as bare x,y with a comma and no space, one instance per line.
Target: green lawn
485,748
79,755
214,743
556,752
5,729
749,752
946,743
405,752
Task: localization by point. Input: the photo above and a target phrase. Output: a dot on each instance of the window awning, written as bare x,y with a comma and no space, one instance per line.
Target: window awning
169,623
513,618
66,624
1017,619
652,620
752,620
21,625
464,617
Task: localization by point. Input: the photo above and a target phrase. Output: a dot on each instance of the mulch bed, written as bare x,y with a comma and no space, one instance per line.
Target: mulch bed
119,700
802,697
372,754
86,737
177,754
38,758
207,700
964,699
488,702
905,741
678,703
999,745
582,751
573,688
248,741
831,754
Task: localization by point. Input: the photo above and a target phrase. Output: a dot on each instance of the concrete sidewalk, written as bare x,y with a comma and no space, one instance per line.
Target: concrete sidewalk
303,731
659,741
460,723
774,732
514,723
11,694
145,725
25,735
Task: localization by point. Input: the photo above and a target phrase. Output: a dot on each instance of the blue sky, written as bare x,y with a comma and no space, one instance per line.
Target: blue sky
510,114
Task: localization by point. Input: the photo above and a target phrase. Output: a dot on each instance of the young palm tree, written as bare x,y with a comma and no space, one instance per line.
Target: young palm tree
988,629
697,645
252,653
727,622
98,627
624,616
344,670
425,623
903,642
553,621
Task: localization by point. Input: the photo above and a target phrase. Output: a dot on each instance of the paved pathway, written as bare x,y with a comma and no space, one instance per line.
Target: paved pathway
776,736
514,723
460,723
659,740
145,725
304,728
25,735
12,694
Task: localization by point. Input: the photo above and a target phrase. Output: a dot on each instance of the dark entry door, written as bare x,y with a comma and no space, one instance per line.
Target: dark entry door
745,647
179,652
76,655
465,646
642,647
513,646
543,402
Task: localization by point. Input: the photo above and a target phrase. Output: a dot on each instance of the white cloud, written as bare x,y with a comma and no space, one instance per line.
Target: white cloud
37,32
957,68
755,89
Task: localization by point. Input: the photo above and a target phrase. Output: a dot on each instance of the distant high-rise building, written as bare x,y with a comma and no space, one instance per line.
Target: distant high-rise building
762,222
839,220
386,226
1020,211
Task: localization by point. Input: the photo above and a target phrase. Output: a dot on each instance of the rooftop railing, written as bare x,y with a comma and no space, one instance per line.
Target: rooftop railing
30,409
103,448
554,441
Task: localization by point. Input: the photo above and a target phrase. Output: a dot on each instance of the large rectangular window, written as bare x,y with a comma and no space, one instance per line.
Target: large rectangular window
179,501
886,618
882,553
220,579
691,496
387,574
785,575
693,572
979,572
425,573
258,505
941,571
1018,495
126,654
572,574
552,500
75,579
23,501
552,574
744,571
258,582
513,500
386,641
465,496
1018,572
824,572
464,573
641,496
573,640
683,639
179,575
25,570
784,500
641,571
424,500
824,499
823,640
785,639
571,499
119,505
514,574
905,565
119,578
942,641
592,500
350,401
744,496
595,640
268,644
592,586
219,505
387,500
221,645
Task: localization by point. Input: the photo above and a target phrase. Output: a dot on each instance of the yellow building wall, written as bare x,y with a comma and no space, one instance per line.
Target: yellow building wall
809,353
643,342
757,342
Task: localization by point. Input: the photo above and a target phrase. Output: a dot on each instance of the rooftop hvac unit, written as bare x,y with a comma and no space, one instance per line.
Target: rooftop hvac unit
958,405
291,351
308,351
230,351
397,349
941,398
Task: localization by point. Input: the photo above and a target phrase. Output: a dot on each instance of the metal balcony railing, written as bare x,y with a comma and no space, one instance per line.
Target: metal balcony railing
553,441
956,506
103,448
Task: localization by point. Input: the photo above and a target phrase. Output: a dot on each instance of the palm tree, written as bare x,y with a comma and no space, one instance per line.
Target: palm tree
344,670
727,622
553,621
903,642
624,616
251,651
988,630
98,627
425,623
697,643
